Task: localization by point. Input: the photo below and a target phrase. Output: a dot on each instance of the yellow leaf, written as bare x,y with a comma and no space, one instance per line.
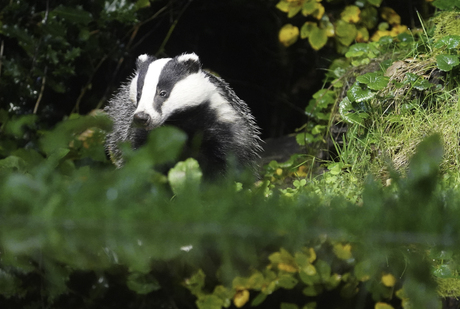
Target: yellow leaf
363,35
288,35
279,171
388,280
351,14
287,267
343,252
302,171
328,26
283,6
383,306
391,16
241,298
312,255
397,29
378,34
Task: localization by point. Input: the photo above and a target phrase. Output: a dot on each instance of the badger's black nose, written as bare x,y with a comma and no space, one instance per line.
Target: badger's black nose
141,119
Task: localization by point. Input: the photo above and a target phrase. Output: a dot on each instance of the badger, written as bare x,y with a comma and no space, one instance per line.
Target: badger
178,92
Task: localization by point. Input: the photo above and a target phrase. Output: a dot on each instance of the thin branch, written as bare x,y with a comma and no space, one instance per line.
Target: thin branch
42,89
171,30
2,46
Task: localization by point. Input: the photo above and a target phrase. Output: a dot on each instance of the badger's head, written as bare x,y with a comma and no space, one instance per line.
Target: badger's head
162,87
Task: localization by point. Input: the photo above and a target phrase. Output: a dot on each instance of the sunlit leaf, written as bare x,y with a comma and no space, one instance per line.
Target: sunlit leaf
209,302
343,252
351,14
388,280
283,6
309,7
357,50
184,175
319,12
241,298
288,35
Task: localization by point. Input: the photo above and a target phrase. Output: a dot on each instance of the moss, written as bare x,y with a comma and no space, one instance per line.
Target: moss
447,23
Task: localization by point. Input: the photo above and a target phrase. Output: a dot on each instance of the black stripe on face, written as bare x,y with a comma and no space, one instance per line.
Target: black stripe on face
142,68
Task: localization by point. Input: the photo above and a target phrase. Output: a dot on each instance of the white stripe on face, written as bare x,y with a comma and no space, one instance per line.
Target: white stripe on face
133,90
149,89
194,90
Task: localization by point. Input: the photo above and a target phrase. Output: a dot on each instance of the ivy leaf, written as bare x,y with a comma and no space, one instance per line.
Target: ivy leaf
351,14
288,35
450,41
283,6
317,38
357,94
447,62
346,33
374,81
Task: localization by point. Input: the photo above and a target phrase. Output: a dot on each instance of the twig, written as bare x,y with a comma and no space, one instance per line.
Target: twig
171,30
2,46
42,89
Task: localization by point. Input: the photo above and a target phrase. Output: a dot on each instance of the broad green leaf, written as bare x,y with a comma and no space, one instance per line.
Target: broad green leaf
374,81
346,33
358,93
381,305
288,35
287,281
317,38
309,7
351,14
323,269
293,10
449,41
307,28
369,17
446,5
185,175
71,14
443,271
447,62
357,50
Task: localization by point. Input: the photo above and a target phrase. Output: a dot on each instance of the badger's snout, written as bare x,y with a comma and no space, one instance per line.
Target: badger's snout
141,119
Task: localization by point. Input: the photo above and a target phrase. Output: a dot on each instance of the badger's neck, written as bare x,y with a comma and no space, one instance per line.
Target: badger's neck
209,135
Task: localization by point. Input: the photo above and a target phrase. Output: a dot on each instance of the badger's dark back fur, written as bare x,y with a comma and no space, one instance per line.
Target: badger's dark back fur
175,91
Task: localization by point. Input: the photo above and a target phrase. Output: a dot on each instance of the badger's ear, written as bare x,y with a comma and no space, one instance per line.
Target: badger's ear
144,58
190,61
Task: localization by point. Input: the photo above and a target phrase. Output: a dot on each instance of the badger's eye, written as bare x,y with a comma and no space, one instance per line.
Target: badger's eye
163,93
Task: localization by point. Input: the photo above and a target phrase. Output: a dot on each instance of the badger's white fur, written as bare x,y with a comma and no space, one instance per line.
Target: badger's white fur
176,91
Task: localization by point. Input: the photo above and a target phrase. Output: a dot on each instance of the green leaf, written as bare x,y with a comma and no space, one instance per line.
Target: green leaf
140,4
348,114
357,50
375,2
449,41
185,175
447,5
307,28
357,93
374,81
346,33
78,16
443,271
287,281
258,299
317,38
142,283
447,62
324,270
209,302
288,306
